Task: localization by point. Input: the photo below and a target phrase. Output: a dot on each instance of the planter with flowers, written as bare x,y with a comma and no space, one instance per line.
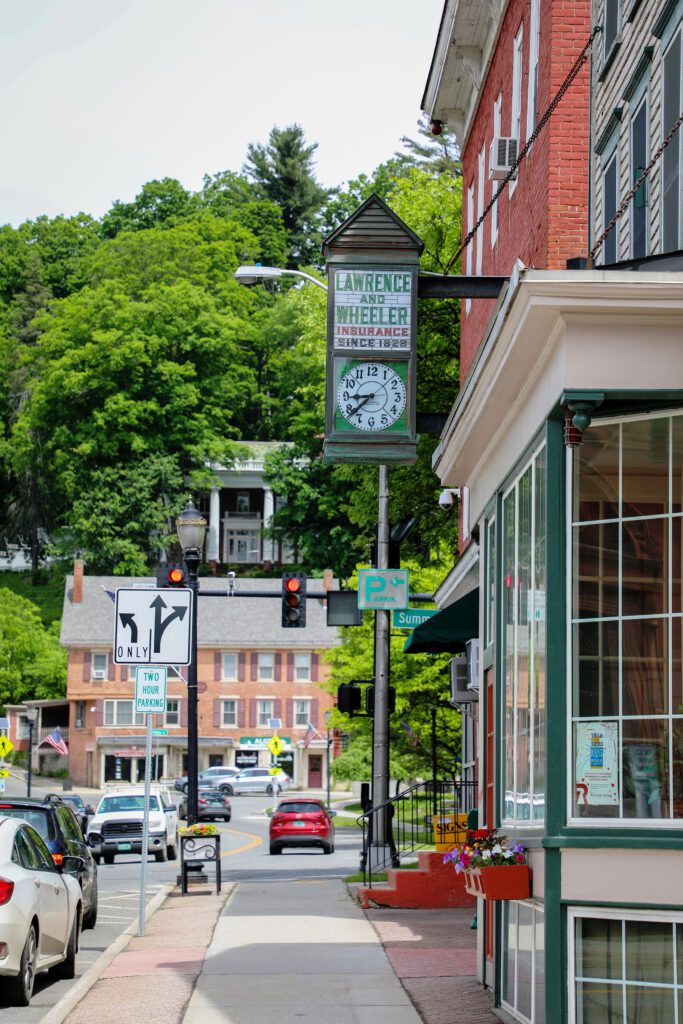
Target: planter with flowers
200,845
492,866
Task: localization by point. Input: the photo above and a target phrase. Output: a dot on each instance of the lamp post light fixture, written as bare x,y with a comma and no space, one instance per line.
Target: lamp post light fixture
32,715
252,275
191,530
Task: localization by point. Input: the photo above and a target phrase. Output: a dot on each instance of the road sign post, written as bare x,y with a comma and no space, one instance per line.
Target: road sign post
145,823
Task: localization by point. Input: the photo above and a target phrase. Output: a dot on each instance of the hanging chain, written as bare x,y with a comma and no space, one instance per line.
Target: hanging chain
578,64
629,195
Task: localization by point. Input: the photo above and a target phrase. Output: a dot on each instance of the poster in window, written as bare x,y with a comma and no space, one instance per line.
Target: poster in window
597,763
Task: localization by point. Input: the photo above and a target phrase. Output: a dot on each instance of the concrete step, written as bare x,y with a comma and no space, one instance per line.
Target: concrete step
433,884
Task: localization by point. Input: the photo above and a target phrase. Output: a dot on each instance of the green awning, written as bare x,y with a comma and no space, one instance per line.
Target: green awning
448,631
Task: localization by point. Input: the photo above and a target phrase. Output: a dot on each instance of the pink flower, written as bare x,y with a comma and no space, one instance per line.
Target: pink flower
520,858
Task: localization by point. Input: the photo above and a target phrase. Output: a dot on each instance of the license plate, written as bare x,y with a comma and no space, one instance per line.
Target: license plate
299,824
124,846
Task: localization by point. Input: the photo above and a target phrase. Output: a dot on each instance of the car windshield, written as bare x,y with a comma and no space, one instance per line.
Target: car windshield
212,794
75,800
126,803
38,817
300,807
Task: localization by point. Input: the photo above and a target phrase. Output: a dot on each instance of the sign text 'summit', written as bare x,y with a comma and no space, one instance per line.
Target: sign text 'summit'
372,309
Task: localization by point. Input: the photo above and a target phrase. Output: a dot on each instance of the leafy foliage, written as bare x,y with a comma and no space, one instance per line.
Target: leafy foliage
32,662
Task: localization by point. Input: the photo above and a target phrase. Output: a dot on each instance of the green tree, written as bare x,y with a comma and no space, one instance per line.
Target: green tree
32,661
283,172
157,204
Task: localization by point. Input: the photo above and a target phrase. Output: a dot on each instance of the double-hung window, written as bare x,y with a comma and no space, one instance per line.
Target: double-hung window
610,186
302,667
172,712
265,709
468,253
516,103
610,26
672,104
302,713
121,712
229,712
229,666
639,158
266,666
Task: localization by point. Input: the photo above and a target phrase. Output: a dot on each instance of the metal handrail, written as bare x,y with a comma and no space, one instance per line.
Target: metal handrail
410,821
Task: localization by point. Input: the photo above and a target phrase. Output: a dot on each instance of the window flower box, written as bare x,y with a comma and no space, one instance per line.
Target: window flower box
511,882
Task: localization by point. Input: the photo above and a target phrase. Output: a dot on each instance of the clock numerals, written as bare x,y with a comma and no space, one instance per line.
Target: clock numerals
371,396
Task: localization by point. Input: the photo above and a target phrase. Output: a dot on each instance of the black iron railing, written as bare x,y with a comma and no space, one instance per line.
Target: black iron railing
416,818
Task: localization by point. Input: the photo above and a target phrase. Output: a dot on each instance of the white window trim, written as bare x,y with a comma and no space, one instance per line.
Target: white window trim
481,167
534,31
678,31
173,725
116,724
536,907
307,678
497,131
610,914
260,678
302,700
654,824
230,654
236,701
643,100
516,98
468,255
270,714
105,670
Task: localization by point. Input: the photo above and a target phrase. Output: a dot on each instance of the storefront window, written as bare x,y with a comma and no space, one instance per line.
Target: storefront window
627,969
523,991
524,594
626,620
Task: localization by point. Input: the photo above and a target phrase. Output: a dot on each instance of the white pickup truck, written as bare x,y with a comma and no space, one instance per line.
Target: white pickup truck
116,826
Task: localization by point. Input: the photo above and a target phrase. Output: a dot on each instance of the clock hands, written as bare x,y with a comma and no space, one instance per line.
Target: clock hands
362,401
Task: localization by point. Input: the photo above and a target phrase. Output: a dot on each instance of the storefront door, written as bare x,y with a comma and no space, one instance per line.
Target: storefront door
315,771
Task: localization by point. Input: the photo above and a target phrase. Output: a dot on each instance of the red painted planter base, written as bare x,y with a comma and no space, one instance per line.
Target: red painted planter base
499,882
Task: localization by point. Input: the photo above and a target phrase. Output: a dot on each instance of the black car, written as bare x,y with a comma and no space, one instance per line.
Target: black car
211,804
78,805
56,823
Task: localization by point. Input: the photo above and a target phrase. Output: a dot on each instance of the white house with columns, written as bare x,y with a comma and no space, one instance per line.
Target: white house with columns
240,508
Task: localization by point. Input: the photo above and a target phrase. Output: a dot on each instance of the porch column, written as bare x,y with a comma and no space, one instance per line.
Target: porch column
213,539
268,509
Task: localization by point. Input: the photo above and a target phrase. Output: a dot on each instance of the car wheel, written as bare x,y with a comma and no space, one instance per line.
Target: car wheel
226,790
172,851
67,968
108,858
90,916
185,789
96,858
329,848
227,818
275,849
269,790
160,855
19,990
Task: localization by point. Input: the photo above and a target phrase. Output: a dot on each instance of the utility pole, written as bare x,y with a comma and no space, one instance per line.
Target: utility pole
380,748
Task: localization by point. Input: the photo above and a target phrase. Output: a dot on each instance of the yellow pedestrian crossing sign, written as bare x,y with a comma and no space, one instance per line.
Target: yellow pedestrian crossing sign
4,773
6,746
275,746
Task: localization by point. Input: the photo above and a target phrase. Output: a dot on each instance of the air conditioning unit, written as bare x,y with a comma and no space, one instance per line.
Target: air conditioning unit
461,693
99,673
502,156
472,650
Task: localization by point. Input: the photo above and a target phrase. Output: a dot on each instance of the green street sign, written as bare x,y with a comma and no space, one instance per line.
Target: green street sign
159,732
409,618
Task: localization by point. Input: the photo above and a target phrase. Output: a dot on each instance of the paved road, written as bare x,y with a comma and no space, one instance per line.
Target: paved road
245,857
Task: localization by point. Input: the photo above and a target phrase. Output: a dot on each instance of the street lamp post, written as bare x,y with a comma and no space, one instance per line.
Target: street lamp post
328,715
252,275
191,528
32,715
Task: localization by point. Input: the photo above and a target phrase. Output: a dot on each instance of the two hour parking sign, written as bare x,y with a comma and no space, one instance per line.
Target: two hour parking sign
153,626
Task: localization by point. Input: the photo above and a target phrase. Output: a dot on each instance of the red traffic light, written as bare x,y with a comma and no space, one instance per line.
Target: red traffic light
176,576
293,600
292,585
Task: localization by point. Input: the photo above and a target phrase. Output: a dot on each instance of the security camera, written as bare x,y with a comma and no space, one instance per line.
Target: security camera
446,497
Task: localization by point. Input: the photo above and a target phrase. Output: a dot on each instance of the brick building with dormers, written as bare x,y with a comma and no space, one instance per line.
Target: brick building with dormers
249,670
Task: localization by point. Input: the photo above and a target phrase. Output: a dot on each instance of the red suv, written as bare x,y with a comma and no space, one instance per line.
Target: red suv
301,822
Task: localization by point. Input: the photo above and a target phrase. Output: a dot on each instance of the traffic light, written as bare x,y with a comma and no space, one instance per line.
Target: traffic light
348,698
370,700
171,575
293,600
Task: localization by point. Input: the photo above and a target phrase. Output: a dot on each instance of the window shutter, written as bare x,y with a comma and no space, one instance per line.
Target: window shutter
99,712
87,658
315,662
217,666
290,668
278,668
254,665
241,667
314,712
111,674
278,708
289,713
183,712
217,713
241,713
124,673
252,714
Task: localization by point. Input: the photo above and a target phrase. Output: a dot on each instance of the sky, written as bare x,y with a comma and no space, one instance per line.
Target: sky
98,97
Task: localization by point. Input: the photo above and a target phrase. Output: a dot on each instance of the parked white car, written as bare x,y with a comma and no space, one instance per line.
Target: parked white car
116,826
40,911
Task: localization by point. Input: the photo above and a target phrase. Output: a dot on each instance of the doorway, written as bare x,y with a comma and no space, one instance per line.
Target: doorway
315,771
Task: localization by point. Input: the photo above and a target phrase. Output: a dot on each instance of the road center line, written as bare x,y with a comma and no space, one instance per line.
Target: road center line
255,841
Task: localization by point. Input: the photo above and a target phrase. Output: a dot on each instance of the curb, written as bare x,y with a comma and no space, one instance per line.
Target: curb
72,998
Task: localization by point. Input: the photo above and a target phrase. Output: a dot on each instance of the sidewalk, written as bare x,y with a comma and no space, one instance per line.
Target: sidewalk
291,952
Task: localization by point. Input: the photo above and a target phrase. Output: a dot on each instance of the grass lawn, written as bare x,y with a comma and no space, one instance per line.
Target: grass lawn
49,596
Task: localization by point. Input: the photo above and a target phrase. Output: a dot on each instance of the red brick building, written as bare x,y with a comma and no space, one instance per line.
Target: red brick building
250,670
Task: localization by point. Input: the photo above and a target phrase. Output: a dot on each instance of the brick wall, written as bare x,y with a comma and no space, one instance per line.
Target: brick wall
543,220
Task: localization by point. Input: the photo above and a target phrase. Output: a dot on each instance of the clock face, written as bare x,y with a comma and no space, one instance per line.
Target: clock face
371,396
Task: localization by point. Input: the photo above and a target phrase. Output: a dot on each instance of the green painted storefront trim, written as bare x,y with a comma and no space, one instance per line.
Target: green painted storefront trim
556,736
618,841
654,907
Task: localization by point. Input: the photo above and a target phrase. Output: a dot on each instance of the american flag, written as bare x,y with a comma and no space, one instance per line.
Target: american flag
55,740
310,733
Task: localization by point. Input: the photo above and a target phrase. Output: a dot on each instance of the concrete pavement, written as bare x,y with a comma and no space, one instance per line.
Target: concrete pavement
291,952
